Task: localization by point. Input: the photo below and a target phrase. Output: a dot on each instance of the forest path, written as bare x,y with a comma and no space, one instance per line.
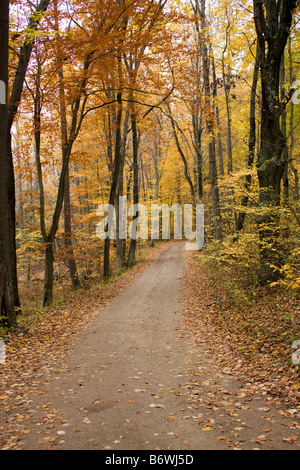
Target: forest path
135,380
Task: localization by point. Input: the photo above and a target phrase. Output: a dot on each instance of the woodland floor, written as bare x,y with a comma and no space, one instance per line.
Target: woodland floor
149,361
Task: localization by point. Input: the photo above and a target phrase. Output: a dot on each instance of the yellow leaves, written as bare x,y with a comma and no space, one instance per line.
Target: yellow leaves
4,397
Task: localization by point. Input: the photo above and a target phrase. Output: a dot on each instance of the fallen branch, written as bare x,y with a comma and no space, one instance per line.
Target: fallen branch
216,301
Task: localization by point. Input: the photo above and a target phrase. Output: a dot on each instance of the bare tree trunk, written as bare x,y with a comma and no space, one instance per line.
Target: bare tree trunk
70,257
14,101
213,175
132,249
49,237
69,252
227,86
7,298
285,152
181,153
48,274
292,138
215,94
114,183
121,243
252,140
68,236
197,133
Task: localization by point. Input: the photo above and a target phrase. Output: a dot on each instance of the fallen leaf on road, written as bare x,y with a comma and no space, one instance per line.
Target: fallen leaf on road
290,439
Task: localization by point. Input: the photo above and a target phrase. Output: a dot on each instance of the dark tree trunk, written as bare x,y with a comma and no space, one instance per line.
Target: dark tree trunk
114,183
213,173
12,221
70,257
273,28
121,243
71,261
197,131
7,241
14,101
48,275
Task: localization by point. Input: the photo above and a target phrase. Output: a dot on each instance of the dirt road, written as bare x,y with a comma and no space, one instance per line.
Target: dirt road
136,380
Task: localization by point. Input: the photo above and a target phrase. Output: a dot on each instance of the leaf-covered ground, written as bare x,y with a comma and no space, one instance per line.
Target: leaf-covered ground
250,333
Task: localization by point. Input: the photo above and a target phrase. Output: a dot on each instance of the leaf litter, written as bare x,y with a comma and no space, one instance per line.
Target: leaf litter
262,366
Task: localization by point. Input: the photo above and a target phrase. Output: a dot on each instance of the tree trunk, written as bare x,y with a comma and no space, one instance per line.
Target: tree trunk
285,177
48,275
14,101
49,237
70,257
132,249
215,95
197,112
121,243
7,299
227,87
12,221
114,183
197,133
71,261
292,138
273,26
252,140
181,153
213,174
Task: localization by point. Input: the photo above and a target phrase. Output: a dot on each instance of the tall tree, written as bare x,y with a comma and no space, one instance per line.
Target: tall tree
14,101
135,166
292,137
7,302
227,87
213,173
115,179
273,21
78,106
68,238
252,141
